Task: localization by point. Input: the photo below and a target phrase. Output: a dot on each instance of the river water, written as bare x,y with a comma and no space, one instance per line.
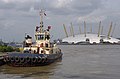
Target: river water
79,62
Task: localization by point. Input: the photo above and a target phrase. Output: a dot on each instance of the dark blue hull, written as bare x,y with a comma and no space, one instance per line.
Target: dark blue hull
28,59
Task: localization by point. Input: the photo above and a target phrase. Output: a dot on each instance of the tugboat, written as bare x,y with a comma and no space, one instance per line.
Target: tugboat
41,52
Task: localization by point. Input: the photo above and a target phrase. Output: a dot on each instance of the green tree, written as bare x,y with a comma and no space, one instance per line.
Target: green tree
1,49
6,49
9,49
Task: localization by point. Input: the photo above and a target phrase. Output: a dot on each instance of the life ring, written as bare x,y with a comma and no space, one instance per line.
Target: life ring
12,59
46,60
27,59
22,60
33,59
43,59
17,59
39,59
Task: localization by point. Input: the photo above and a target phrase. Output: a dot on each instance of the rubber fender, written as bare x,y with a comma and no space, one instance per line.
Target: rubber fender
22,60
12,59
28,59
33,59
17,59
39,59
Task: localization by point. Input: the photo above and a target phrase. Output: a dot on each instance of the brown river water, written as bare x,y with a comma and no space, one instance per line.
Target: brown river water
79,62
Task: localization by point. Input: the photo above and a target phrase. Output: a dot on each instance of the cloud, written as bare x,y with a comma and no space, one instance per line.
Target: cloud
102,13
94,17
24,14
71,7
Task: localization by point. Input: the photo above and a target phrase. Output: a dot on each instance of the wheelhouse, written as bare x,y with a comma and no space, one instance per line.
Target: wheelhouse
42,36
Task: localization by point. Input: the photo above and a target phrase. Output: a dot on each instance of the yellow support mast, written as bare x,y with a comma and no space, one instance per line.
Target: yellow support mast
99,29
109,30
85,28
65,30
80,30
91,29
113,30
72,30
102,30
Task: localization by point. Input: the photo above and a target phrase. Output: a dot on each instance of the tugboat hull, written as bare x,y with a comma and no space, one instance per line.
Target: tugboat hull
28,59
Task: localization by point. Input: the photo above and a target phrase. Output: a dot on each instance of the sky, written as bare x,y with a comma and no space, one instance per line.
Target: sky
18,17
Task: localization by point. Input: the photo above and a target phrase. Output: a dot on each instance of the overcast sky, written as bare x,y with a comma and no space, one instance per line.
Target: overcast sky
18,17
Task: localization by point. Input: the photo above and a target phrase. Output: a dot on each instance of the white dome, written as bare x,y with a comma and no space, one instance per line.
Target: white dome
93,38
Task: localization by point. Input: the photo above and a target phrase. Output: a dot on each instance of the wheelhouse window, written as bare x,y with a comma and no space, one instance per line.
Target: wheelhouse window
40,37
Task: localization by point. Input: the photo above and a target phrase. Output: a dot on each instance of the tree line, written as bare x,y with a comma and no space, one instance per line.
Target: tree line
4,48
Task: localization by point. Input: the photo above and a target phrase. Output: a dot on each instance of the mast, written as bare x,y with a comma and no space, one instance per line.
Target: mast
99,29
91,29
102,30
85,28
72,30
39,29
65,30
41,20
110,30
80,30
